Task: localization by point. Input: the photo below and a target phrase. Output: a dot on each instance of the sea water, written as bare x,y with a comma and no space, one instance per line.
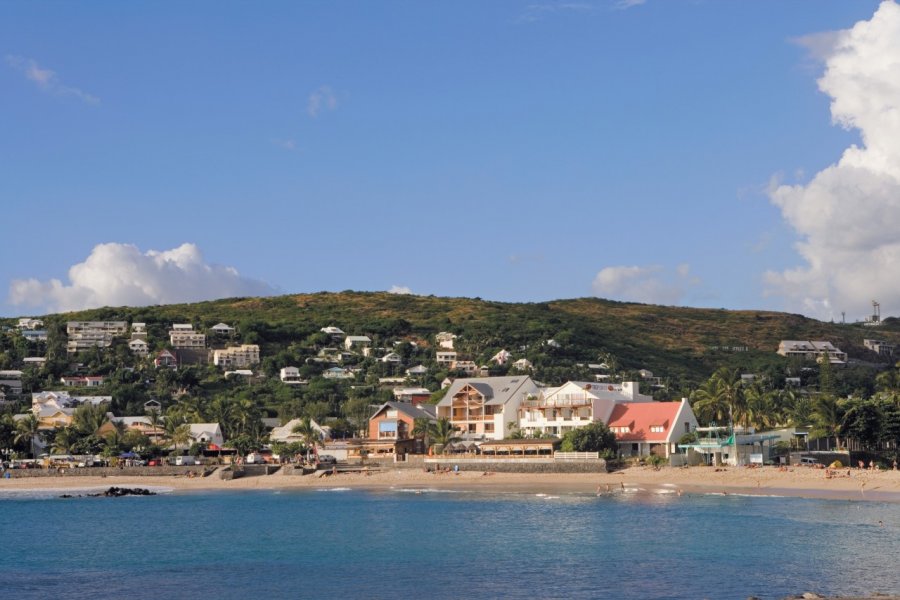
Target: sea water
400,543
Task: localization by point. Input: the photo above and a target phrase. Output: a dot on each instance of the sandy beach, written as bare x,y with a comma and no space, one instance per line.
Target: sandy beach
769,481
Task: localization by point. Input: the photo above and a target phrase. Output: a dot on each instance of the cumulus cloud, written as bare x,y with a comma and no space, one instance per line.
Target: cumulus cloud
46,79
848,215
651,284
399,289
121,275
321,99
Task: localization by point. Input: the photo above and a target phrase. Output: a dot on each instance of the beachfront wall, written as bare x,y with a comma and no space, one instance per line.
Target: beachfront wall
517,465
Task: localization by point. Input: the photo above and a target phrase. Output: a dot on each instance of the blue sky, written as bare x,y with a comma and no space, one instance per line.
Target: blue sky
515,151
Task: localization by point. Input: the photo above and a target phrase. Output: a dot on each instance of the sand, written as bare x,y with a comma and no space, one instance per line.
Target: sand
769,481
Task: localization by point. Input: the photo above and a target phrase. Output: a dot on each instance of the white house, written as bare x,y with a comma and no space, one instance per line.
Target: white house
391,358
285,433
812,350
501,358
417,371
445,339
523,364
12,380
358,341
880,347
445,357
557,410
484,407
335,332
291,376
466,366
139,347
237,356
222,329
207,433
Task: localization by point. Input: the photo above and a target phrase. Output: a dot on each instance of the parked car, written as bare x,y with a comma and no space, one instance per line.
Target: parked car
254,458
808,461
327,459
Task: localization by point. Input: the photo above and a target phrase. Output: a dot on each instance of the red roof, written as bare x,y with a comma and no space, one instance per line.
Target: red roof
639,417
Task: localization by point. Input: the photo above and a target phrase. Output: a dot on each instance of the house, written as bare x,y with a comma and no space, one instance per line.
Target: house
139,331
95,381
812,350
523,364
645,428
237,356
139,347
396,420
291,376
557,410
447,382
337,373
501,358
466,366
484,407
245,373
445,357
62,399
27,323
445,339
113,328
417,371
391,358
12,381
182,336
879,347
357,341
222,329
166,358
286,434
415,395
34,335
335,333
207,433
152,406
34,361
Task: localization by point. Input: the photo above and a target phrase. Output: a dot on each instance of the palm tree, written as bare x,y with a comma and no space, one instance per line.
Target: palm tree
88,418
65,440
828,417
422,429
308,434
27,429
156,421
443,432
181,435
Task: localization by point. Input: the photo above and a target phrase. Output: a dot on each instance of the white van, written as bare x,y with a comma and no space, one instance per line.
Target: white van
808,461
185,461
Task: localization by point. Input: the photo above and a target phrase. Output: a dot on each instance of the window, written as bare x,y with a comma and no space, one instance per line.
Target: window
657,429
687,427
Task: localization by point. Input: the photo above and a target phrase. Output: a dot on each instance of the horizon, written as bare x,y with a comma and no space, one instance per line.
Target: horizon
683,153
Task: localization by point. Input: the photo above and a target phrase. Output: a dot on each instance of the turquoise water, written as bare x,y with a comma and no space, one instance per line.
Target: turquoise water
355,544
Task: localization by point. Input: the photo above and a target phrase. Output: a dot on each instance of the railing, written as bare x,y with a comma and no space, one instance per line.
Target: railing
576,455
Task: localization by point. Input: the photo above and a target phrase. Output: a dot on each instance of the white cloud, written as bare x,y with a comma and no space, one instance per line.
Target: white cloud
626,4
288,144
651,284
121,275
400,289
536,12
47,80
848,215
321,99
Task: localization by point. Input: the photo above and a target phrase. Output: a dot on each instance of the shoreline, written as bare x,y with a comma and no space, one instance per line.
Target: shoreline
800,482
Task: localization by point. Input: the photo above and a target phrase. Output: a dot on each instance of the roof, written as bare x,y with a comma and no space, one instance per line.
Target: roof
413,411
496,390
639,417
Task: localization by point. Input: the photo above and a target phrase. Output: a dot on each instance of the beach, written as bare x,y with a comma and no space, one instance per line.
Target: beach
765,481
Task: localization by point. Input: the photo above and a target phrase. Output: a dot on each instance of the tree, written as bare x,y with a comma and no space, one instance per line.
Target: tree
443,433
309,434
180,436
828,417
27,430
595,437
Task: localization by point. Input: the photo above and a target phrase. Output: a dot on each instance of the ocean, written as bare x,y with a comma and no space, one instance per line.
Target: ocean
343,543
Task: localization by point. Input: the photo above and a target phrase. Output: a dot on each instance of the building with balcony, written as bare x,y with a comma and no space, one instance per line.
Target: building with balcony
555,411
484,407
812,350
395,420
237,356
880,347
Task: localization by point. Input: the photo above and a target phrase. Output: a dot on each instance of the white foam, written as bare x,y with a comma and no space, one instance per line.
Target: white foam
335,489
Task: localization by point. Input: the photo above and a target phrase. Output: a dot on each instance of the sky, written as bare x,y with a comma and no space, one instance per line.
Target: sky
741,155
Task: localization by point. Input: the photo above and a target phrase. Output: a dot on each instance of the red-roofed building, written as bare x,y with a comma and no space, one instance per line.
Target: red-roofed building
644,428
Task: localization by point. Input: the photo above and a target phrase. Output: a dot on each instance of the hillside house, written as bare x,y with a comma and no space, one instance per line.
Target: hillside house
812,350
241,356
166,359
222,329
445,340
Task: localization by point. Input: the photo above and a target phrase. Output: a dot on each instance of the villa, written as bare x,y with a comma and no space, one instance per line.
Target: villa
812,350
484,407
645,428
